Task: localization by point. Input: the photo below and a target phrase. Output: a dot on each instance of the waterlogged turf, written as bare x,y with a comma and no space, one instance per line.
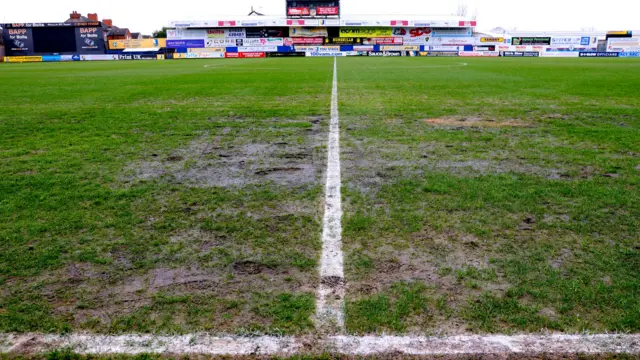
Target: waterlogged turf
162,197
501,196
480,195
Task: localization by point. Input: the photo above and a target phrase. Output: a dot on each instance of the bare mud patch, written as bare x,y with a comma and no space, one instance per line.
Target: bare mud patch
475,121
237,158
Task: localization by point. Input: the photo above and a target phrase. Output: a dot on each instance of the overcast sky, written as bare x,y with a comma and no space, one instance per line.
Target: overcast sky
144,16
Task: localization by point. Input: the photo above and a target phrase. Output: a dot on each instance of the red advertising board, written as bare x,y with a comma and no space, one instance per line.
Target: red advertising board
252,55
307,41
384,41
298,11
328,10
244,55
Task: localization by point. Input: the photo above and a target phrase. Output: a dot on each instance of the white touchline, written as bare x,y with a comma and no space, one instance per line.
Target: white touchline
330,297
350,345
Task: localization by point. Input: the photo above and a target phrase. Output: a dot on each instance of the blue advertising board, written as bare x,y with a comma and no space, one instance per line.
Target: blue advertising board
195,43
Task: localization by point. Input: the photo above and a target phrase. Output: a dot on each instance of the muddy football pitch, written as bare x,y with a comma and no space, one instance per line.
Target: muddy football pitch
321,204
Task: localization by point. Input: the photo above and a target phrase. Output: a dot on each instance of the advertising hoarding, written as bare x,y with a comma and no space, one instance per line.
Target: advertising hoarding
187,43
308,32
18,41
531,40
137,44
598,54
365,32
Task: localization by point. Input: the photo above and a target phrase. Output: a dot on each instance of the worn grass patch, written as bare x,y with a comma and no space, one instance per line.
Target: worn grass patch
514,207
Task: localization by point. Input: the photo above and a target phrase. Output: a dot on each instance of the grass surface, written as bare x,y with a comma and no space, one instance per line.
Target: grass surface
496,197
166,197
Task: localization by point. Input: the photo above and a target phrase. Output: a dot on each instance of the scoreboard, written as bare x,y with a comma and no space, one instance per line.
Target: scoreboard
313,9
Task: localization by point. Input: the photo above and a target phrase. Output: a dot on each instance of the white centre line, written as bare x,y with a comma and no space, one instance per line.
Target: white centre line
350,345
330,297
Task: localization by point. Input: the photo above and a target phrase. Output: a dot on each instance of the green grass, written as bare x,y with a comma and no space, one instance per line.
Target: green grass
509,188
166,197
119,212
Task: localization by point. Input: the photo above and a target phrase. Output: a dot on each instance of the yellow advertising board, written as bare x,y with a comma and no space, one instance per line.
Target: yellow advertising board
492,40
21,59
366,32
137,44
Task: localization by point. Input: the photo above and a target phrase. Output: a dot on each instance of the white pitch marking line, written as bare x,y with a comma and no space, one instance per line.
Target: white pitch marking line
330,297
348,345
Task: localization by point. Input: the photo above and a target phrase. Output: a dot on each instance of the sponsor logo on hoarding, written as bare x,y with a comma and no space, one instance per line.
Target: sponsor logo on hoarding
531,40
630,54
195,43
246,55
17,31
298,11
599,54
328,10
307,41
343,41
385,53
258,49
478,53
484,48
399,48
492,39
216,34
137,57
384,41
331,53
137,44
445,48
365,32
303,48
287,54
451,32
440,53
206,55
330,22
308,32
23,59
521,54
419,32
212,43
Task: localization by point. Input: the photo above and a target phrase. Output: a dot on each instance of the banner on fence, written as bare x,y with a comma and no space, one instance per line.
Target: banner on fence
188,43
199,55
137,44
286,54
245,55
311,32
384,41
478,53
365,32
343,41
520,54
598,54
21,59
531,40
